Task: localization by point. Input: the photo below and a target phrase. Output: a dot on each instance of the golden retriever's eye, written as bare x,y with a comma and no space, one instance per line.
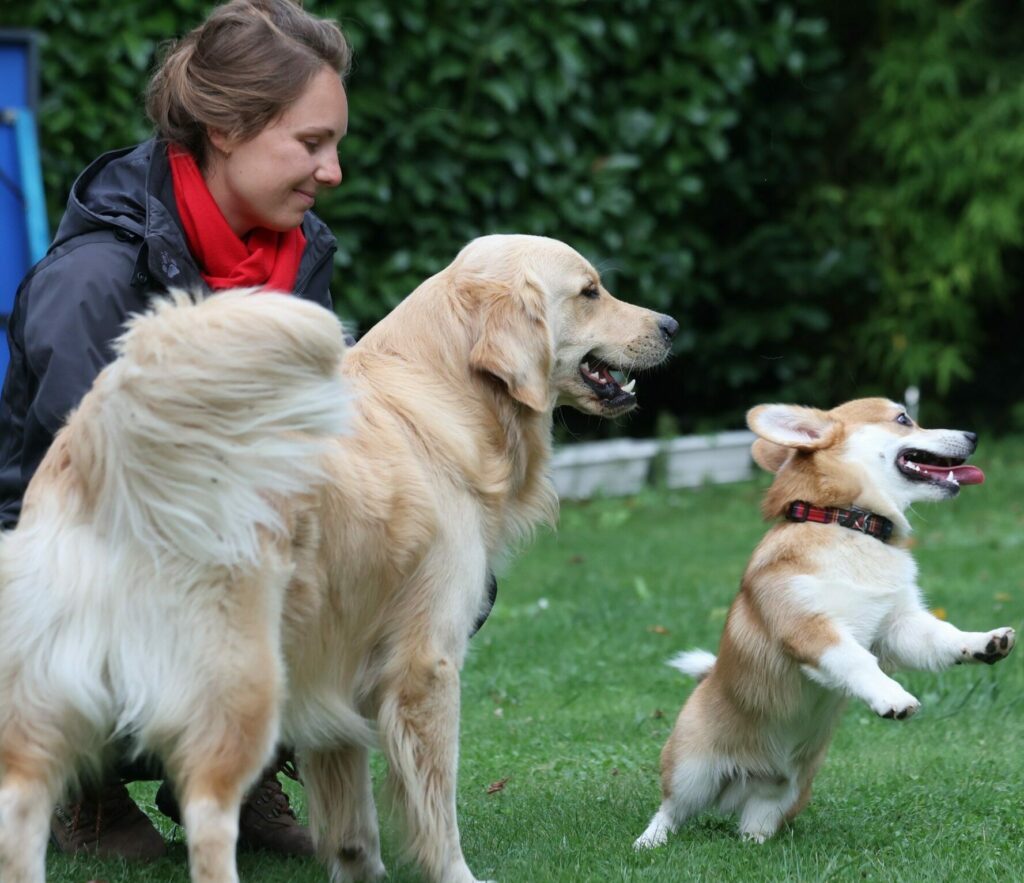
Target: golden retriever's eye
591,291
904,420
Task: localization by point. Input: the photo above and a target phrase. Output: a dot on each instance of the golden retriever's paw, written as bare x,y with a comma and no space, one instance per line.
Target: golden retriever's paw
354,865
895,703
1000,643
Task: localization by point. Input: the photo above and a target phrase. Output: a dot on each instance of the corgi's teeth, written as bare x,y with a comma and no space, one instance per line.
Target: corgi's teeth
629,386
951,477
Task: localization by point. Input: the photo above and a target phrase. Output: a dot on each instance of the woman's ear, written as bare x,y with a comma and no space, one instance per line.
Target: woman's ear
220,140
792,426
513,344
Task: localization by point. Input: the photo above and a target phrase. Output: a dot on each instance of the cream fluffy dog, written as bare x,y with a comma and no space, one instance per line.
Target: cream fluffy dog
823,613
136,601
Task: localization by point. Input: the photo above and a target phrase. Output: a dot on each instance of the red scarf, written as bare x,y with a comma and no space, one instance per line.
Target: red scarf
264,258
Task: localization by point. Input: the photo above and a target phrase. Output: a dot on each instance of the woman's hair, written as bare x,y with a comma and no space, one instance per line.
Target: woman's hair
239,70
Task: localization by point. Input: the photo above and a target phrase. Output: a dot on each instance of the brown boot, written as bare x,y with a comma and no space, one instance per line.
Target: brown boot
107,823
266,820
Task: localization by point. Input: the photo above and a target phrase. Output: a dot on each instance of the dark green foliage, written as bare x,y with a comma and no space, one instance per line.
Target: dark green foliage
824,200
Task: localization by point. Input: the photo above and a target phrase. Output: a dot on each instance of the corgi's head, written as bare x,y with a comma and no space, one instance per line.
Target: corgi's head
866,453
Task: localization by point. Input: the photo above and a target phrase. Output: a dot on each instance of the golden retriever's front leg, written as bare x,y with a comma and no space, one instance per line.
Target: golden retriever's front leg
342,815
419,729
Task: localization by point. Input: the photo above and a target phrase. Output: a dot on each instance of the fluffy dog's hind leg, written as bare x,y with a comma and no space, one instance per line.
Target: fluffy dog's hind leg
342,814
211,789
229,743
33,774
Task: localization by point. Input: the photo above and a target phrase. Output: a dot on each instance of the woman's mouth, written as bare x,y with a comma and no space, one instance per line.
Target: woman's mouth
308,197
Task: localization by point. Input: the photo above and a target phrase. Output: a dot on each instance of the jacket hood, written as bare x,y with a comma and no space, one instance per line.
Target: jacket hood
111,192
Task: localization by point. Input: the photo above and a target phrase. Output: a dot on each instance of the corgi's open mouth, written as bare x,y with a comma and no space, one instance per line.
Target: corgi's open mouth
949,472
609,388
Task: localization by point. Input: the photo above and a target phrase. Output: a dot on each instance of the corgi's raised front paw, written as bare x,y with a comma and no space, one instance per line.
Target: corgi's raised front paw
1000,643
896,704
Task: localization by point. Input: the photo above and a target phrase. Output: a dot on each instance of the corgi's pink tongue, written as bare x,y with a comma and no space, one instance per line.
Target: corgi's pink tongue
959,474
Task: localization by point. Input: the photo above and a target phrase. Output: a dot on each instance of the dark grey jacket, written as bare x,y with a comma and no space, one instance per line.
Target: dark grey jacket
119,243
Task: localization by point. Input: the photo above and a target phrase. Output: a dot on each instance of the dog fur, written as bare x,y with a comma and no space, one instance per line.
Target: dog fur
823,614
158,590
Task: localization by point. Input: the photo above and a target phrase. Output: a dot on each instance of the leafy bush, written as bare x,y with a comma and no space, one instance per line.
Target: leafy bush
940,136
821,219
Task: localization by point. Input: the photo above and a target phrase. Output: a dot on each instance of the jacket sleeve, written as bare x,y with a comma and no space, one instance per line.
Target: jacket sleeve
65,318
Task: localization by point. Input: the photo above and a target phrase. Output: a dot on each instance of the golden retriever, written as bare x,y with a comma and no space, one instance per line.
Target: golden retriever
341,623
828,605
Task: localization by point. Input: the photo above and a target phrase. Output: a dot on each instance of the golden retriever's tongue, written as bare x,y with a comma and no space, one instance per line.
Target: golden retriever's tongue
959,474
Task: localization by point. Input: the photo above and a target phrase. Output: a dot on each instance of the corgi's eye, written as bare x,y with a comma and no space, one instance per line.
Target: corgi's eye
905,420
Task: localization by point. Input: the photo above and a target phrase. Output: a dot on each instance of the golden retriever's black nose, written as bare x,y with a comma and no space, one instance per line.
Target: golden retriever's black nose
668,327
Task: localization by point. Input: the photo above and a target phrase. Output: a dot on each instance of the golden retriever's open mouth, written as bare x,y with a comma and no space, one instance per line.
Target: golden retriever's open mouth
609,388
950,472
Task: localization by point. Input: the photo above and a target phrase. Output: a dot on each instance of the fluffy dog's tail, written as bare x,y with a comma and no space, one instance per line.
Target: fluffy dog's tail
215,412
695,663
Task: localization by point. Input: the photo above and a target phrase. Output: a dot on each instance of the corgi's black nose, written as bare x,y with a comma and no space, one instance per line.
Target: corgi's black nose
668,327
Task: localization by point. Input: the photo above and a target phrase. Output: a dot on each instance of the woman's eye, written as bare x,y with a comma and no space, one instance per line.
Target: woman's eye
311,146
905,420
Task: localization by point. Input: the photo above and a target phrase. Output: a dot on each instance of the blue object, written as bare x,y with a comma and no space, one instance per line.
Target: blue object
31,184
24,234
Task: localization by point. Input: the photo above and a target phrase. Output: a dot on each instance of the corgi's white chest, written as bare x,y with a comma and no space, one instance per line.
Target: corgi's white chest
857,582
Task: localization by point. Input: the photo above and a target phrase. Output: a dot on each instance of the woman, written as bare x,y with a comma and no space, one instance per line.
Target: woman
248,108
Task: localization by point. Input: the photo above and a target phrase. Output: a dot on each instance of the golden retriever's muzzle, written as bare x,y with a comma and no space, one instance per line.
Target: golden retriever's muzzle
606,373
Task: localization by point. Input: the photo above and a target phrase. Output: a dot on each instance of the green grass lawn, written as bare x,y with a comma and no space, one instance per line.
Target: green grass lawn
567,702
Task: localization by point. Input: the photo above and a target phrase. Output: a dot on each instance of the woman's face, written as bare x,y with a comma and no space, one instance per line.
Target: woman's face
272,180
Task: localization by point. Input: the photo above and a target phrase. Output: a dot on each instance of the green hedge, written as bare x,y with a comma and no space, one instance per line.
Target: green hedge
717,160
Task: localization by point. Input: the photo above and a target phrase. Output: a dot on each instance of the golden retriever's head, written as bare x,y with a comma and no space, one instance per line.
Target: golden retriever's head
550,332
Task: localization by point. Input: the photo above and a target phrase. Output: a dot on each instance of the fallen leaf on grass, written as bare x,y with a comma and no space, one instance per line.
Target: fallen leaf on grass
495,787
939,612
657,629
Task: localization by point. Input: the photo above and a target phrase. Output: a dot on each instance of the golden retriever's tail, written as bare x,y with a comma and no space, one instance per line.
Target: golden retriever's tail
694,663
215,411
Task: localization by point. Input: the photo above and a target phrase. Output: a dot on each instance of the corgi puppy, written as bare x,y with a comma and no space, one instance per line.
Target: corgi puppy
828,605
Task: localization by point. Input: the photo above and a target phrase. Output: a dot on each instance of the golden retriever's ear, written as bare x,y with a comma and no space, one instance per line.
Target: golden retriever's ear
513,343
792,426
769,456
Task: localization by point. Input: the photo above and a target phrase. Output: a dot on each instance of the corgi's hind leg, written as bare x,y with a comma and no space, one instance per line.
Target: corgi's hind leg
768,802
690,787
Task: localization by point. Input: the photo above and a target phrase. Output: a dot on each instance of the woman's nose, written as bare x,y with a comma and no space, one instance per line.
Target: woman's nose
328,172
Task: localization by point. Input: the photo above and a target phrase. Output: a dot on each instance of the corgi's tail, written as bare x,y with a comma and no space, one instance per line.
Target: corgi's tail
215,412
694,663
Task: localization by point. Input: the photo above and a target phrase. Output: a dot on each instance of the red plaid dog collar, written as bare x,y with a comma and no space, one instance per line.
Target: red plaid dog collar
877,526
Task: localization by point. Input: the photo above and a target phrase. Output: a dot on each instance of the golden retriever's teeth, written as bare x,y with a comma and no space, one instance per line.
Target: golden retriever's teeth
629,386
586,367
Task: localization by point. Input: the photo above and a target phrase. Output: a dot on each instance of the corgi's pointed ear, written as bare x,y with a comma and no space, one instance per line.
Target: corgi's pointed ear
769,456
793,426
